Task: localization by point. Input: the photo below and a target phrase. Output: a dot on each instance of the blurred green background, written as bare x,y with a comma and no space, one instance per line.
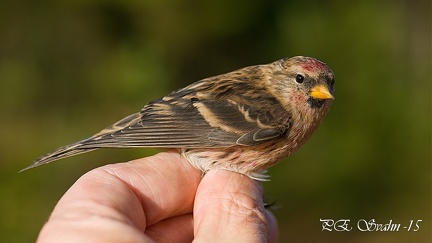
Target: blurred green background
70,68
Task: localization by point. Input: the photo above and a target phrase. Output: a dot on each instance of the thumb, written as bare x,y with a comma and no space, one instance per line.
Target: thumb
229,208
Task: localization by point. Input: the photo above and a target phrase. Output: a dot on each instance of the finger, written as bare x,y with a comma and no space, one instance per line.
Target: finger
229,208
137,194
180,229
273,227
164,185
89,228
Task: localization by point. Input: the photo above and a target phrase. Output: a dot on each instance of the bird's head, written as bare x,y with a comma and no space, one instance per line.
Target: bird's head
305,79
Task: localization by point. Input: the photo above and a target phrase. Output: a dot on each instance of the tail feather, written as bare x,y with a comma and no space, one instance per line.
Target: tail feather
63,152
83,146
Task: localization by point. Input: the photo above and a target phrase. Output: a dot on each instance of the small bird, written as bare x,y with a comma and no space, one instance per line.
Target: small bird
244,121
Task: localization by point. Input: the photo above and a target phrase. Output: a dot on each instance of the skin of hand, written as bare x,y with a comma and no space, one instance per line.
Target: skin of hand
161,198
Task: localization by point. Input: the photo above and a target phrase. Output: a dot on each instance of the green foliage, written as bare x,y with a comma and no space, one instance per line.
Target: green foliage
70,68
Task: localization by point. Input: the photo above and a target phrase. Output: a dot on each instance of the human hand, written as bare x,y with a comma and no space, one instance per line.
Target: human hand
161,198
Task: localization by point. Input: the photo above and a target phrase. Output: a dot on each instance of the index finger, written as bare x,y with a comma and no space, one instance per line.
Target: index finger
144,191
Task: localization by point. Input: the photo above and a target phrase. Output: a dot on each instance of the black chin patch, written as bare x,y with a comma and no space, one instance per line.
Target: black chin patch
315,103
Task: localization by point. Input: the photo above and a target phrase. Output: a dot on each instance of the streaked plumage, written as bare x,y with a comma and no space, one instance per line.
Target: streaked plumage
245,120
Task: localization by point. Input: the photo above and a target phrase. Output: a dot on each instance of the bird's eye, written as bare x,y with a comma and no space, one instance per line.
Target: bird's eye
299,78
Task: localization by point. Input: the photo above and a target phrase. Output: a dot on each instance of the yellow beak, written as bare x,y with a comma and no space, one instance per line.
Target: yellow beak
321,92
